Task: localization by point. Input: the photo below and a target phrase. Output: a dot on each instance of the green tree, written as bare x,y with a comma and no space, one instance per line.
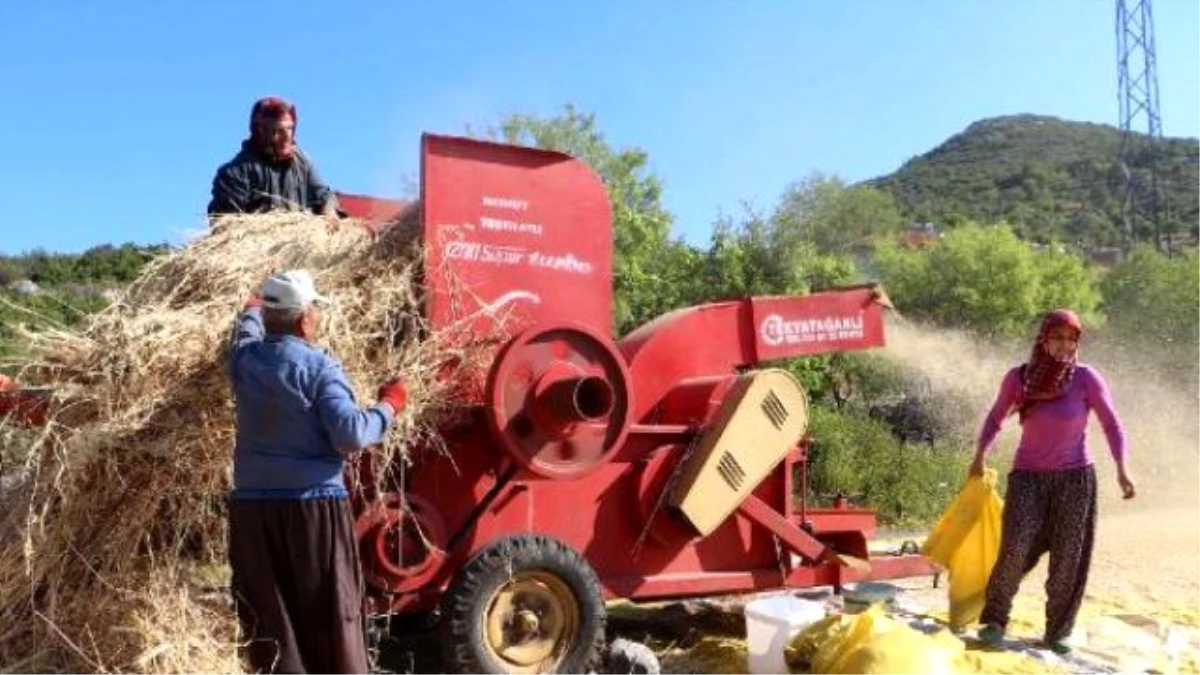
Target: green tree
50,268
109,264
70,286
1152,303
908,483
833,217
760,256
1155,299
1065,280
988,280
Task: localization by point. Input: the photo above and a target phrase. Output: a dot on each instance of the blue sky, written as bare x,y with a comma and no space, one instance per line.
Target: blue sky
115,114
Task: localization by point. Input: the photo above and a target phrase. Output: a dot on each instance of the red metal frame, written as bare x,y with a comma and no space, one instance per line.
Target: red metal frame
25,407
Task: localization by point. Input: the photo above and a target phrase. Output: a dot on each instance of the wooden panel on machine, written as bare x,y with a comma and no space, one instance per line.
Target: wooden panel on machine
763,417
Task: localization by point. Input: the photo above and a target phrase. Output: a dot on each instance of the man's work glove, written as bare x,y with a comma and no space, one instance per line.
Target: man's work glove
394,393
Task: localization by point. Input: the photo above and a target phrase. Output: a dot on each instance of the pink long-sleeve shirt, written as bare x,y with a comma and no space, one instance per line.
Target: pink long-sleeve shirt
1054,435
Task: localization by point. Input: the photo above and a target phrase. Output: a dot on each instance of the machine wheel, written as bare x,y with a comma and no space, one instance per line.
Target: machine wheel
524,604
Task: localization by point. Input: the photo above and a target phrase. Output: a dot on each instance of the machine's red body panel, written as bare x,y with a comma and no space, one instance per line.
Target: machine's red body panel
371,209
513,236
817,323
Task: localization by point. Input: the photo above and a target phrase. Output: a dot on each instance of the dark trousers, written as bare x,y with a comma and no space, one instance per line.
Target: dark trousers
1051,512
298,586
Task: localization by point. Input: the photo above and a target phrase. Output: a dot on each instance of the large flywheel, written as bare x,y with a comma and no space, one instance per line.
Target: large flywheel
559,400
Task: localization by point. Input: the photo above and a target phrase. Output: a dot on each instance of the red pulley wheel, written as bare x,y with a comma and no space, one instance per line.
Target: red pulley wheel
559,400
401,540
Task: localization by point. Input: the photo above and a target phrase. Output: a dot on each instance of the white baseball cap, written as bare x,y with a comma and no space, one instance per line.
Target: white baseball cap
292,289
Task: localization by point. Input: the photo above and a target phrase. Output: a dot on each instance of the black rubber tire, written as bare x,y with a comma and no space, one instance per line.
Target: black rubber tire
465,603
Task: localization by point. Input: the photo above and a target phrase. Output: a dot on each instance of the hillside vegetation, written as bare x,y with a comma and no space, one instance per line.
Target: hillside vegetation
1054,179
41,290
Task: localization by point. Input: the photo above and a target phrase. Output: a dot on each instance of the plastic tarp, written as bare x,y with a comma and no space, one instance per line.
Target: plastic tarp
966,541
1136,643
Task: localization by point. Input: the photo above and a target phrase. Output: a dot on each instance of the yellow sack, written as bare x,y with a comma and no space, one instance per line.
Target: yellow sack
966,541
872,642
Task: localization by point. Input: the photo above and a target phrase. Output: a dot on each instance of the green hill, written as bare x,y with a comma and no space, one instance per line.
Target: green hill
1052,179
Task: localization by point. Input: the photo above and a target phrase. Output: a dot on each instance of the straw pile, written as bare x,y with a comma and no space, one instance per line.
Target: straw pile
112,539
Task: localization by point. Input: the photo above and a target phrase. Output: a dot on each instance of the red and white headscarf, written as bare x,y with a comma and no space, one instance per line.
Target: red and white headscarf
267,112
1045,377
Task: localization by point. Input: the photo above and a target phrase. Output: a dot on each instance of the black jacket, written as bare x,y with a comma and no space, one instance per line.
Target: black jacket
254,183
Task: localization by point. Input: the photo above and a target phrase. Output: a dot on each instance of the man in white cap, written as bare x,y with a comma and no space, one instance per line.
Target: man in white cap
296,582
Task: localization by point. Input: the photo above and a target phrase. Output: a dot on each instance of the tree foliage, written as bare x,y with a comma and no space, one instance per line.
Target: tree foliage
988,280
835,218
908,483
1153,302
71,287
1155,299
101,265
766,256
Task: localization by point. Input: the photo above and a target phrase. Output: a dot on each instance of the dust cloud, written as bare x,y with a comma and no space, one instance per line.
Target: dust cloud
1160,410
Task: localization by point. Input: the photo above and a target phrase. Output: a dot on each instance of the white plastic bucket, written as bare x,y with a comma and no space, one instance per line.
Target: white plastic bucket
771,623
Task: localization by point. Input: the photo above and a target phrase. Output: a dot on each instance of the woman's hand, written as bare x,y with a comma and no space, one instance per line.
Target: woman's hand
977,466
1128,488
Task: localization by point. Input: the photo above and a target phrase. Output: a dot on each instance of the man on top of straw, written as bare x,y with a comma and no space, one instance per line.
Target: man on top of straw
296,582
270,172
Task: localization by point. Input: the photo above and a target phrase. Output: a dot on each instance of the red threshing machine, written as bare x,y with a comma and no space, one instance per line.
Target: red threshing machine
659,465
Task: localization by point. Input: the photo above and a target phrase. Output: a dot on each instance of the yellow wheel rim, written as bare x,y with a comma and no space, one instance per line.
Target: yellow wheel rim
531,622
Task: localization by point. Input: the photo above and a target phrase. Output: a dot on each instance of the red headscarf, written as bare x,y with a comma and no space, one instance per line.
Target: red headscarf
1046,377
267,113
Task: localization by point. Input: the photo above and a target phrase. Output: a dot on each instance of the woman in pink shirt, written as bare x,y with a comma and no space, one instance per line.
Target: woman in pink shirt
1050,504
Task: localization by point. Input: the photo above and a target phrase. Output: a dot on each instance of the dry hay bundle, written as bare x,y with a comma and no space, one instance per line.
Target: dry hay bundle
106,537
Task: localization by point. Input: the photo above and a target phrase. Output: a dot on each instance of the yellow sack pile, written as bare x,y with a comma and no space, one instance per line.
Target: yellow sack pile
873,642
966,541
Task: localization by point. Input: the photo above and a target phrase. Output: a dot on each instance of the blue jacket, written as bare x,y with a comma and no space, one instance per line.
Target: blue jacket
296,416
